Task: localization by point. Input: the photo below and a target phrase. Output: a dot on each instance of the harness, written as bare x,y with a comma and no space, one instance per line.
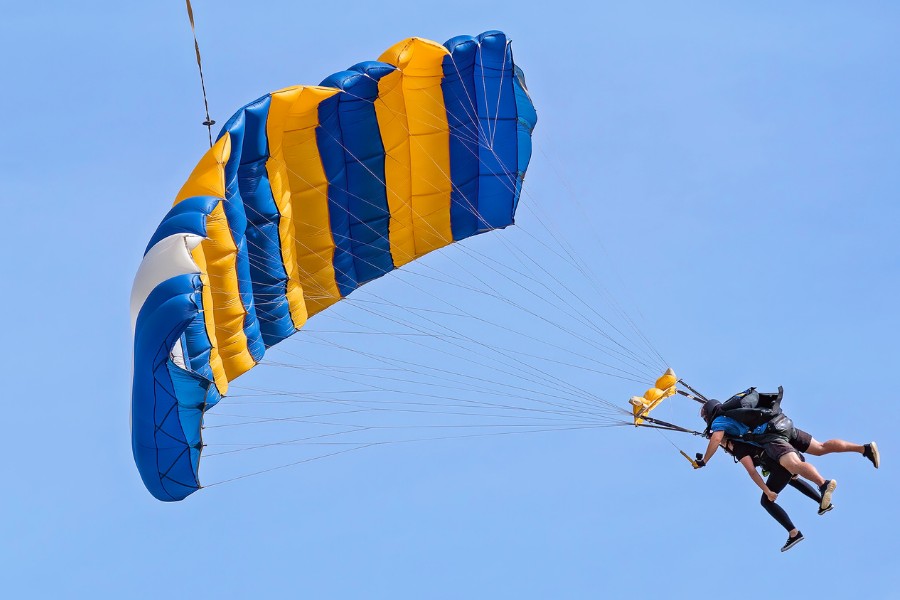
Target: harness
753,408
760,412
778,427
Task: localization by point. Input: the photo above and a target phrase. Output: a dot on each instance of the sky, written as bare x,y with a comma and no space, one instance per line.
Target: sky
729,172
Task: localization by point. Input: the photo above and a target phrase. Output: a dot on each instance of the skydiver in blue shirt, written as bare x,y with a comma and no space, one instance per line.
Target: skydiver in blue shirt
772,436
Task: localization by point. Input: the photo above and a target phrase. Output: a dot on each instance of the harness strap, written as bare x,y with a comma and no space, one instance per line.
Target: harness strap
691,396
696,393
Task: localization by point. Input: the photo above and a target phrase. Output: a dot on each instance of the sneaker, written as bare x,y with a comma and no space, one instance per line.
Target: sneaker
792,541
827,489
822,511
870,451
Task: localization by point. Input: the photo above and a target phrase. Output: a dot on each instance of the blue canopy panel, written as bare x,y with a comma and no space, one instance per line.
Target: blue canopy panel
168,401
248,145
527,119
263,238
491,118
353,157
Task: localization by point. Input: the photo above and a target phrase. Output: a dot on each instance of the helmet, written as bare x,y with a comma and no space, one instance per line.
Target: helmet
711,409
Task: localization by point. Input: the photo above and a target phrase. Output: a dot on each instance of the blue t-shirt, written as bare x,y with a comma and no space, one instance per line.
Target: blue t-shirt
733,428
729,426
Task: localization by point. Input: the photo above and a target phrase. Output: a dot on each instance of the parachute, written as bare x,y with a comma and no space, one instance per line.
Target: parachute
308,193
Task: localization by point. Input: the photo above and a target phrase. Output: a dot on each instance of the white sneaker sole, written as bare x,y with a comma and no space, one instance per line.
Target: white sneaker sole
826,495
876,458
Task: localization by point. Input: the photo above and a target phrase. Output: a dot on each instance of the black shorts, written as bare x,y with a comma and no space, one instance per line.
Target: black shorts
775,450
800,440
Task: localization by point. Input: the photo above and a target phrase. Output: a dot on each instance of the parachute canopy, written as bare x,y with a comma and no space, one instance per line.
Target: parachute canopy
308,193
665,387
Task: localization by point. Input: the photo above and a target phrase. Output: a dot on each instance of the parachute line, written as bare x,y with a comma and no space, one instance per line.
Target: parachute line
208,122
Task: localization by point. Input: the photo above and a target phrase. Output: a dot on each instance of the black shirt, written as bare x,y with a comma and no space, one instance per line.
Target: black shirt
741,449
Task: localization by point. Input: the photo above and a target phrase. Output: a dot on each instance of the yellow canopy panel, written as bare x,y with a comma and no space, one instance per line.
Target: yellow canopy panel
664,387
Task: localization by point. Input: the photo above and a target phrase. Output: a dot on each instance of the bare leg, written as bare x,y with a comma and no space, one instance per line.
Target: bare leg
817,448
795,466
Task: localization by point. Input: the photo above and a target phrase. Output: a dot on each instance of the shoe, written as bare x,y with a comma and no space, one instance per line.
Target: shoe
827,490
822,511
792,541
870,451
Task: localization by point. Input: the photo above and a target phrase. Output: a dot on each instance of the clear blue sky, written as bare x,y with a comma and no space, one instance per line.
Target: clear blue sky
740,164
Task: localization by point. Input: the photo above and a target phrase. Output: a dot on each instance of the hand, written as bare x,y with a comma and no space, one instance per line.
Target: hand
699,463
770,495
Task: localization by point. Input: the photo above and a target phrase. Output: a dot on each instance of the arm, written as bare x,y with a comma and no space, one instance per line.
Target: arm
714,440
757,479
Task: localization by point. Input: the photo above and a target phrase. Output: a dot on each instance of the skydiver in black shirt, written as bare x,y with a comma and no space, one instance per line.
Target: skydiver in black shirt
751,457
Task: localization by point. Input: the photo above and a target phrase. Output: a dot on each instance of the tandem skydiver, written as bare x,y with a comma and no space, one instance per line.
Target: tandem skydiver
773,436
756,419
